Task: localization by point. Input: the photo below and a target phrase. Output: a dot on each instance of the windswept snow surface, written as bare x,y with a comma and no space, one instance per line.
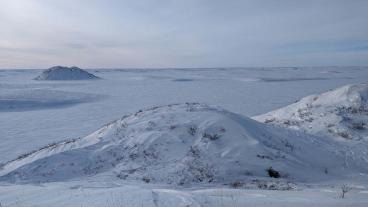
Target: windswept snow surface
92,194
37,99
184,144
339,113
65,73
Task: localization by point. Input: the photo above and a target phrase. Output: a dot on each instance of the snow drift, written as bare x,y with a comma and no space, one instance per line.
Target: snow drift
183,144
65,73
342,113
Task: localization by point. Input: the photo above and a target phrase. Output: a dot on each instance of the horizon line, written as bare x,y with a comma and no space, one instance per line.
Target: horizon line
178,68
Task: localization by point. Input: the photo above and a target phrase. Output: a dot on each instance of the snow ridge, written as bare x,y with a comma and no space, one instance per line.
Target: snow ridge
342,113
183,144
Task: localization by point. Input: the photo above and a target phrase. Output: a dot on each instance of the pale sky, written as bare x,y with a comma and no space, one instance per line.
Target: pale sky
182,33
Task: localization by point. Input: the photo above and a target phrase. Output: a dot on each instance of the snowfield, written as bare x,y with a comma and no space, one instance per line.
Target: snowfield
189,154
339,113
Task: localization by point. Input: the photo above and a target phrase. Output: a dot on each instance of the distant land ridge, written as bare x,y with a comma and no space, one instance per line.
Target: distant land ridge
65,73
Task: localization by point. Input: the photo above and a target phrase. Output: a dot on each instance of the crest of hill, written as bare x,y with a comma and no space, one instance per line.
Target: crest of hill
65,73
339,113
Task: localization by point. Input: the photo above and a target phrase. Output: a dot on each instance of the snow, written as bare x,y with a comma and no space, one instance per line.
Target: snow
129,90
124,194
65,73
313,168
340,113
37,99
182,144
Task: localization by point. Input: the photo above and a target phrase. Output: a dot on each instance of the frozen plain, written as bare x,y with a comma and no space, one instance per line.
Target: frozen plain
36,113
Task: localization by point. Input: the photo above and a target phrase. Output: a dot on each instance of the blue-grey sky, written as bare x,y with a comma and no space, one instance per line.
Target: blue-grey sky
182,33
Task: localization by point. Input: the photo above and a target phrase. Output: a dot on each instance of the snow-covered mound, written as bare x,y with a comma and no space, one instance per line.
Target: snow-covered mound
342,112
181,144
65,73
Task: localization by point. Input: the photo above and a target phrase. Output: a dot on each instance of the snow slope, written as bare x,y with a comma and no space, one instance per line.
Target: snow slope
342,113
184,144
65,73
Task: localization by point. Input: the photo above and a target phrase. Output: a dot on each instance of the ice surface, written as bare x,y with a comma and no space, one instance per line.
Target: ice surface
37,99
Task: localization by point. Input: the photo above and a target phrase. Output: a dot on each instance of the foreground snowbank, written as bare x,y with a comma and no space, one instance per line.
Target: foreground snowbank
183,144
77,194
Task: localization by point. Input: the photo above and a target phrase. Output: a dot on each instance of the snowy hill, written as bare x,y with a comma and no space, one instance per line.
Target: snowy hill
65,73
342,113
182,144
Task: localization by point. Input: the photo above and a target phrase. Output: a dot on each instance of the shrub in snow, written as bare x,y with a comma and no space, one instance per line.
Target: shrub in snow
273,173
344,189
146,179
211,136
237,184
358,125
192,130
